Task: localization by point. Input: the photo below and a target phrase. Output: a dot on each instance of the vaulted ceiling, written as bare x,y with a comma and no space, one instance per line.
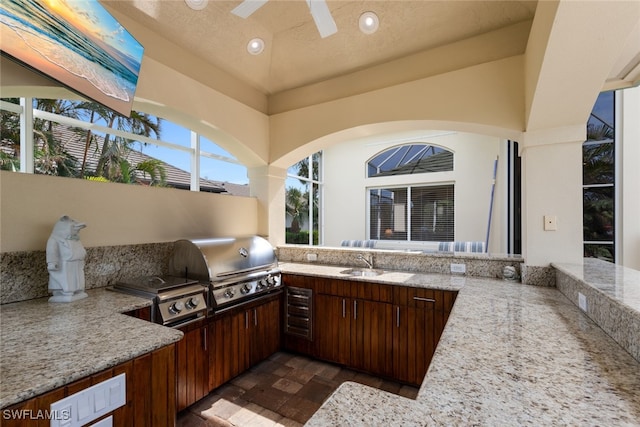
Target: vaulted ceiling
416,39
295,55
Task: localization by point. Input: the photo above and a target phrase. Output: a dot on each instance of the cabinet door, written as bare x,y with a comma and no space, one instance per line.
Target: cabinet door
240,343
229,347
265,336
192,363
374,321
414,338
332,328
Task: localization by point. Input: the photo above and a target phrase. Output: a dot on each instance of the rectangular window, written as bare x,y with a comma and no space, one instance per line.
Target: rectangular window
412,213
598,179
303,201
81,140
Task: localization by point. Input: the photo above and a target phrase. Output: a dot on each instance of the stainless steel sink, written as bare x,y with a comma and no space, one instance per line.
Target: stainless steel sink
362,272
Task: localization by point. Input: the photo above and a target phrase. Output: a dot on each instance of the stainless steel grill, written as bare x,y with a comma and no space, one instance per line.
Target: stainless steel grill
236,269
176,300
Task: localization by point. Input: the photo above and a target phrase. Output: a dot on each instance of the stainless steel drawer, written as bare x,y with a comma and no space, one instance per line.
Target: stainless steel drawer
299,312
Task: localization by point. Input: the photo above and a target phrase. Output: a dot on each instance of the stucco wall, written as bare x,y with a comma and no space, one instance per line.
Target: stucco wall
346,185
115,214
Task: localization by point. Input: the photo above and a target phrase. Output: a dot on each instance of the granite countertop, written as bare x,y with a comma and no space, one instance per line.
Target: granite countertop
619,283
510,354
47,345
390,277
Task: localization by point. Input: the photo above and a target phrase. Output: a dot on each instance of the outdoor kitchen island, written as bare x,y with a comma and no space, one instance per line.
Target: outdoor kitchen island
51,350
510,354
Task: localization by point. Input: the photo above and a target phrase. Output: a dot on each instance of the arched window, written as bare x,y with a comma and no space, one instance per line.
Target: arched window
410,159
412,212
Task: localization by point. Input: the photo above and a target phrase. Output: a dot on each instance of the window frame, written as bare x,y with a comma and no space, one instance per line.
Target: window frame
614,242
393,150
408,219
311,183
27,113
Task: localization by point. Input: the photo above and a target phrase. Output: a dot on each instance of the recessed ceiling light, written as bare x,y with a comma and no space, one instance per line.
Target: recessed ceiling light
255,46
369,22
197,4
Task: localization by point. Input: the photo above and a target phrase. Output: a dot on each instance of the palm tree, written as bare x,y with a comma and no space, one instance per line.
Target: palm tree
95,112
154,169
10,142
599,202
113,150
296,205
51,157
303,171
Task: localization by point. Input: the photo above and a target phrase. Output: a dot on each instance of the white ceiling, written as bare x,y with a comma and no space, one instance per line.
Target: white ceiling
295,54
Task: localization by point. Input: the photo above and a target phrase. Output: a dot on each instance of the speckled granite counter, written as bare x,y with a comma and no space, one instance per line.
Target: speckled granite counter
390,277
45,345
611,294
510,355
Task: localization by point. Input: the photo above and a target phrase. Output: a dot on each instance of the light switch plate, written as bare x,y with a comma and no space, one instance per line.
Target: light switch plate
550,223
87,405
458,268
582,302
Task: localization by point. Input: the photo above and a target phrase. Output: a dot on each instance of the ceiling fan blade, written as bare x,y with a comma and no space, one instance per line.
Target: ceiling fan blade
322,16
247,7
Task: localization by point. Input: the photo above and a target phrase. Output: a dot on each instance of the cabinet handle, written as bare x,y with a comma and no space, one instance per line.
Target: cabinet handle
424,299
255,316
344,308
398,316
204,331
246,320
355,309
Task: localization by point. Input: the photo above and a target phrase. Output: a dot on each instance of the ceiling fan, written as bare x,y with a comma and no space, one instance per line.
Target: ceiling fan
319,11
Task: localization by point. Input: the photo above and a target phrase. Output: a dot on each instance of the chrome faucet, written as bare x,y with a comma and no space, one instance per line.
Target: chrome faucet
369,261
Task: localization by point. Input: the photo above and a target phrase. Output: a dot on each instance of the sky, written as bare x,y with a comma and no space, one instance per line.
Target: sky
209,168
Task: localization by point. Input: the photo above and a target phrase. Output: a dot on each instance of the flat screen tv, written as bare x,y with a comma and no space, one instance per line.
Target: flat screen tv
77,43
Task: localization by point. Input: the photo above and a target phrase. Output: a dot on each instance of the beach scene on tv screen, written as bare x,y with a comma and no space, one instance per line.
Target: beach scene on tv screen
77,43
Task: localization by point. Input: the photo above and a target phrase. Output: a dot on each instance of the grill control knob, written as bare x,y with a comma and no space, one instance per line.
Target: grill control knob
260,285
245,289
193,303
176,307
229,293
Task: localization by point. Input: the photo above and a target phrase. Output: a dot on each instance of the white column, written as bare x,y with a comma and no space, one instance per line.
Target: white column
628,180
267,184
552,187
195,161
27,149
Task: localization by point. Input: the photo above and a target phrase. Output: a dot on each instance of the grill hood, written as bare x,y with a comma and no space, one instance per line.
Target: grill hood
218,259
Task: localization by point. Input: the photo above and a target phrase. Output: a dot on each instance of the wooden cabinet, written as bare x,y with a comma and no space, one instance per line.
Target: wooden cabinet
264,331
228,348
242,337
192,364
151,394
420,317
372,349
386,330
143,313
414,338
354,327
332,329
